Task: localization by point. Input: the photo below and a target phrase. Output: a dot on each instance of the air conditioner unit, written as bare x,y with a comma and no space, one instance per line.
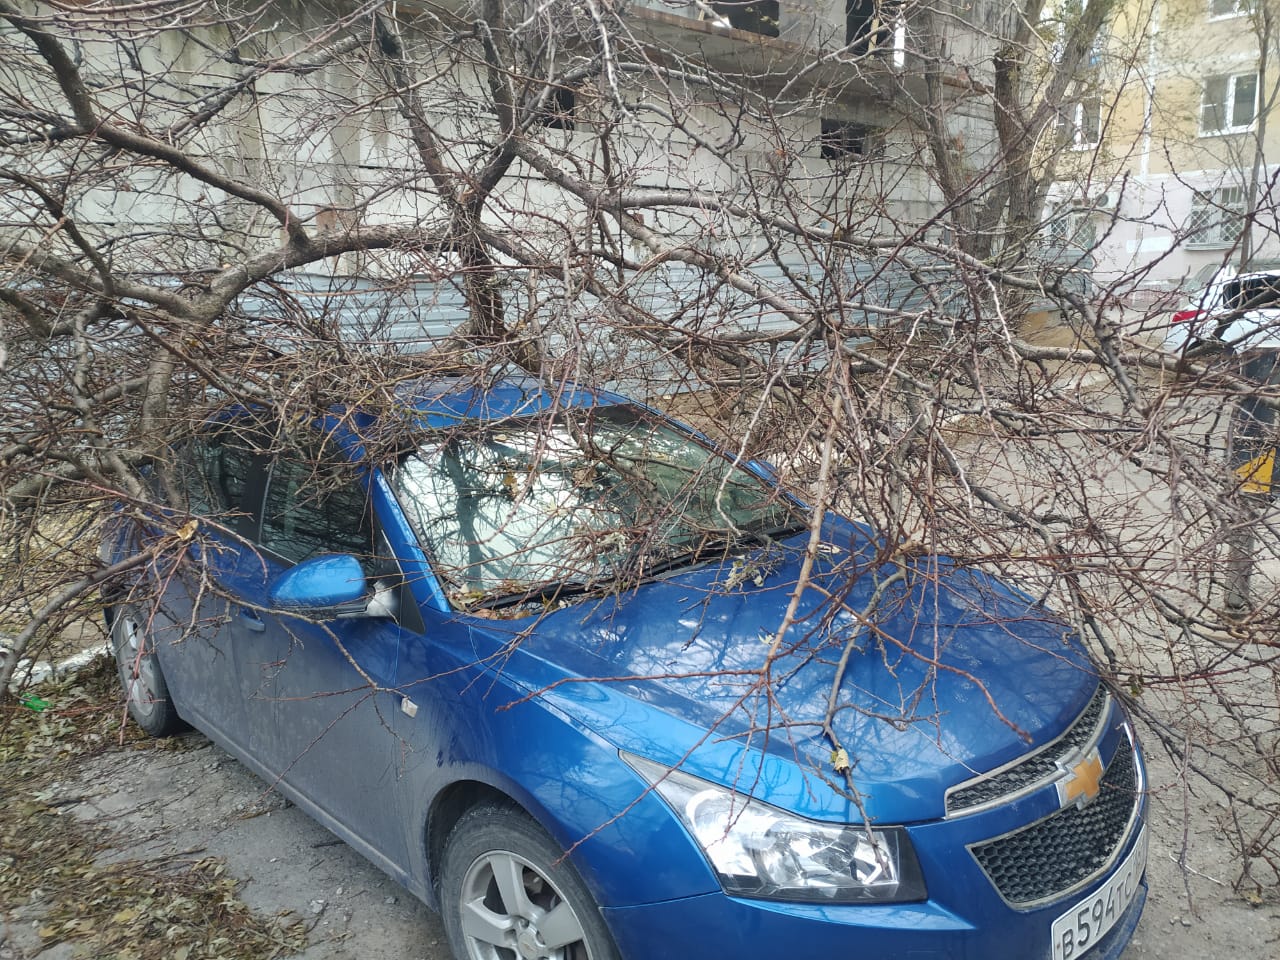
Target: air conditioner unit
1107,200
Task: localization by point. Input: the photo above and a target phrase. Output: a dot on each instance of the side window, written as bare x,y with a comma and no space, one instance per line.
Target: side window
215,471
315,506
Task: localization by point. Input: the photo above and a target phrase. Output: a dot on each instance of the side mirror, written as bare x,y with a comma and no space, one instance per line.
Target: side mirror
324,588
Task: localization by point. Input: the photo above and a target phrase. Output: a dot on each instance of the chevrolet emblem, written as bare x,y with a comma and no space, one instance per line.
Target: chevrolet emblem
1082,782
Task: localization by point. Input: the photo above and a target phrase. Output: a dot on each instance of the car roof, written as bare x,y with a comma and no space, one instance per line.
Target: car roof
441,401
1226,274
438,402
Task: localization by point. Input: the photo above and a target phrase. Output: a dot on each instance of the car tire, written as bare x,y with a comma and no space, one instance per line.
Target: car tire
145,690
506,888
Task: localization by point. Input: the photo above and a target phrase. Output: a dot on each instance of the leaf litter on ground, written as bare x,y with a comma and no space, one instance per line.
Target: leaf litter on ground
71,881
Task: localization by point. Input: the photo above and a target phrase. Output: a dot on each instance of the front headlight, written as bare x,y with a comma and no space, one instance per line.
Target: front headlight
761,851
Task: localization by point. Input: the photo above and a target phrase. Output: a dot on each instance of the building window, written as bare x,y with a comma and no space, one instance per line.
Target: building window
1082,123
843,140
558,109
869,24
1229,8
1058,22
754,16
1228,104
1072,230
1217,217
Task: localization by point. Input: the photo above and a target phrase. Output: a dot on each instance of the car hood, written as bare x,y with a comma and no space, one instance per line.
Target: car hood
953,674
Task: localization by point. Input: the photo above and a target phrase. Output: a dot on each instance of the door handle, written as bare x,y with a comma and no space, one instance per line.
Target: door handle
251,619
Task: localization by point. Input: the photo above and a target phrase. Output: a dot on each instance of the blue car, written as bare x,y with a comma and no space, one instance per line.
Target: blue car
593,688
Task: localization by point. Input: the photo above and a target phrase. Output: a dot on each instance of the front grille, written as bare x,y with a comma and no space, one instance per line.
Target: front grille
1043,765
1067,849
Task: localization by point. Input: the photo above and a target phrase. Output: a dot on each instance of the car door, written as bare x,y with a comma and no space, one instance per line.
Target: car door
326,682
221,475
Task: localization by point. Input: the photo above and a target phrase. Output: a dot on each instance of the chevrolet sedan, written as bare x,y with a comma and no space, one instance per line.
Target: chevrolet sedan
593,688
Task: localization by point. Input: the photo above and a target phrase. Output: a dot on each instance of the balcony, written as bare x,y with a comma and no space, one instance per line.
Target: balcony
775,41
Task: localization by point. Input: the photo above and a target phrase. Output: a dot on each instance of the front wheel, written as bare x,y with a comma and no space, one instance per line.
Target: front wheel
508,892
145,690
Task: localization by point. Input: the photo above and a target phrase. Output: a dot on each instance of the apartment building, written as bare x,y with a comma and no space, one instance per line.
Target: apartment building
813,109
844,124
1181,146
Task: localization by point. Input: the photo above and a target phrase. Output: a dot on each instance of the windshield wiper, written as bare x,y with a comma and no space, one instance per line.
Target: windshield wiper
780,532
551,590
722,545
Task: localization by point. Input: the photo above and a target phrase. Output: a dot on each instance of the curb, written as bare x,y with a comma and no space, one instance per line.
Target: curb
29,672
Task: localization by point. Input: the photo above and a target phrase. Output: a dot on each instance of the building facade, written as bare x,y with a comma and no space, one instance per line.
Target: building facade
1184,157
718,120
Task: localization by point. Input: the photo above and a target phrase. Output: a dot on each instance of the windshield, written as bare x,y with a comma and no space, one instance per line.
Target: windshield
516,507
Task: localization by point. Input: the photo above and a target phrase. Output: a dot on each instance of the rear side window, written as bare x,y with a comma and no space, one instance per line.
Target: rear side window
215,473
299,503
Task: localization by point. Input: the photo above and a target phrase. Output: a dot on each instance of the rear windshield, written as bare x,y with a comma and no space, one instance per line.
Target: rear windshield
1251,293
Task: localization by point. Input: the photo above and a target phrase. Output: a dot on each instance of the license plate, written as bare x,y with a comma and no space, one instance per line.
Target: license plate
1077,930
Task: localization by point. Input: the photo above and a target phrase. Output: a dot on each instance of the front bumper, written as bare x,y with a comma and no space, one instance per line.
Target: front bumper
965,918
716,925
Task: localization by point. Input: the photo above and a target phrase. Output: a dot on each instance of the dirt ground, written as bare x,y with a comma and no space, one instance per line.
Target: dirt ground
185,801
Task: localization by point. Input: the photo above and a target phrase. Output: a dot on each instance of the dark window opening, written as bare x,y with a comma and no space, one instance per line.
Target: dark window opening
558,109
868,24
842,140
1081,122
1228,103
756,16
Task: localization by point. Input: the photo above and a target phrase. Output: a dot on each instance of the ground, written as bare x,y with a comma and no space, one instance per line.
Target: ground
114,846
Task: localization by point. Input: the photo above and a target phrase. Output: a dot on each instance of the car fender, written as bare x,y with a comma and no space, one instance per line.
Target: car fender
602,814
476,712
